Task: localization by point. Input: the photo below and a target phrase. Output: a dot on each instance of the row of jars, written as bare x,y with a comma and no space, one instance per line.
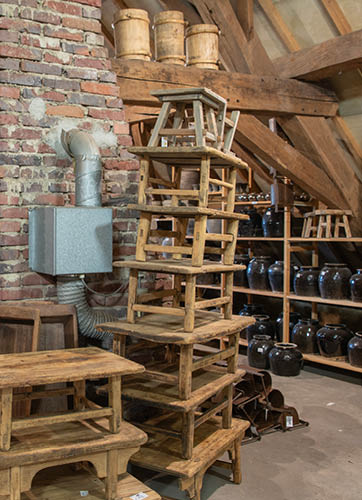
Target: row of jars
333,281
330,340
269,225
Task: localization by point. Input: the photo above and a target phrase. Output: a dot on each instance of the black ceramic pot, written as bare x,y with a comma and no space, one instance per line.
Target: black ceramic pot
240,276
257,273
273,223
251,310
333,339
251,227
354,350
356,286
294,317
285,359
262,326
304,334
306,281
334,281
258,351
276,276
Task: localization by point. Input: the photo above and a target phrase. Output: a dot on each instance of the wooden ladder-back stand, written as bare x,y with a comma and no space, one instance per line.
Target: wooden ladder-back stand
326,224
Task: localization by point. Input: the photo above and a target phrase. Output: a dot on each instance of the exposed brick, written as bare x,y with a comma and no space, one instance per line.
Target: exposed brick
114,103
61,84
20,293
93,39
8,36
72,111
99,52
99,88
94,3
91,12
40,41
84,74
59,58
48,199
10,281
121,128
115,164
7,63
20,159
29,3
63,33
26,133
52,95
19,52
12,92
82,24
46,17
36,67
7,23
107,76
124,140
8,119
10,226
88,62
13,240
64,7
9,254
12,172
37,279
20,79
74,48
106,114
87,99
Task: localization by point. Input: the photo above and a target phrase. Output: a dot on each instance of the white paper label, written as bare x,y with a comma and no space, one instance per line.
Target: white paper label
260,349
83,493
139,496
289,421
163,145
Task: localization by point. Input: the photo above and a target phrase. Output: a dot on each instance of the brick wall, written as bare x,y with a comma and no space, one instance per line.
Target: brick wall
54,74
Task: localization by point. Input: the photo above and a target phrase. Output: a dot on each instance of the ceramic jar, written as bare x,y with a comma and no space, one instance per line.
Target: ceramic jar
304,334
354,350
294,317
258,351
306,281
251,227
333,339
262,326
285,359
273,223
276,276
356,286
257,273
334,281
240,278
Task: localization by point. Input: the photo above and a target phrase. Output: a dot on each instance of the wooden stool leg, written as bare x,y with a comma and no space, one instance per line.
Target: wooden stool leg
227,413
15,483
304,230
185,371
229,252
321,225
160,123
198,245
79,394
115,402
188,431
144,226
112,475
70,332
328,226
308,227
144,180
177,286
190,297
346,226
337,224
119,345
132,294
229,282
204,182
230,203
236,463
233,361
199,123
6,416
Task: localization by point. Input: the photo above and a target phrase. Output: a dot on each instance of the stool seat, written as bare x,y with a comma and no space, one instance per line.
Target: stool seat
326,223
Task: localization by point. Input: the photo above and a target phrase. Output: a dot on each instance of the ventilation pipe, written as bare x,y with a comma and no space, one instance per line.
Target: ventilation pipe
88,171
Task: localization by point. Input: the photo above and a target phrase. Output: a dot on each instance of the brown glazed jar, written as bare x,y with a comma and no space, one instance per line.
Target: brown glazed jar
258,351
333,339
356,286
304,334
355,350
263,326
306,281
334,281
285,359
257,273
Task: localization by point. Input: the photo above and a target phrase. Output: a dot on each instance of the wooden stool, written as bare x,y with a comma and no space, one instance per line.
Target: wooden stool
169,330
48,367
66,443
183,271
196,247
325,223
199,107
230,123
162,454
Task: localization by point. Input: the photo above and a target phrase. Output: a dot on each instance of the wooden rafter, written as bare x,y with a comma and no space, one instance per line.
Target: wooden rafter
280,27
245,15
337,16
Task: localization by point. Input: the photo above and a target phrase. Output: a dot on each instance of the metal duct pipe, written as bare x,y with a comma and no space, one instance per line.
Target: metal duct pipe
88,170
88,167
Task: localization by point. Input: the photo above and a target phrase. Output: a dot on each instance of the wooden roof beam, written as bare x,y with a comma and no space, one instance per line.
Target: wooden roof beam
336,14
324,60
279,25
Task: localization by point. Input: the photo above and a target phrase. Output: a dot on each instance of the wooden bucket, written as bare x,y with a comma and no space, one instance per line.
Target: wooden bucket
132,34
169,29
202,46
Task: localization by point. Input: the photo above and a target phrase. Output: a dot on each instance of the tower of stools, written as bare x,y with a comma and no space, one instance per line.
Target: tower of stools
189,388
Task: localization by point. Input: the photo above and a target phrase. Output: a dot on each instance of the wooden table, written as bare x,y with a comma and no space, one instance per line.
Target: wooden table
69,365
44,446
166,329
163,454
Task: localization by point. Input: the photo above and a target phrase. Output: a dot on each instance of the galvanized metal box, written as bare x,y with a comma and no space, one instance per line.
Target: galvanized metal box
72,240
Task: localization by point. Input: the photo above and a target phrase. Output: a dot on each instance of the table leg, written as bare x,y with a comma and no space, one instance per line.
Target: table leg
115,402
227,412
190,298
188,431
15,483
232,362
6,416
185,371
119,345
112,475
236,464
79,394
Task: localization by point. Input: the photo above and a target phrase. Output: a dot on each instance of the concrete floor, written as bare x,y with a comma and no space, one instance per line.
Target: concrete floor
319,462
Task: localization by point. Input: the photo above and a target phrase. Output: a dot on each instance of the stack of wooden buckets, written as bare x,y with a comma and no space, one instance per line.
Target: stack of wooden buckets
132,39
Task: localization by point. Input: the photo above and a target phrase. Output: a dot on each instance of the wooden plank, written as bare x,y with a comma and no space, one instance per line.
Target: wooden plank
336,14
181,266
279,25
6,424
324,60
188,212
245,15
212,358
220,301
253,93
159,309
287,160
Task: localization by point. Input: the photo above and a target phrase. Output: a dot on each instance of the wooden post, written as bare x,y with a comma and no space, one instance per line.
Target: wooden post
227,413
232,362
190,297
198,246
132,294
204,181
185,371
143,180
229,283
15,483
6,416
188,430
142,235
79,394
286,284
236,464
112,474
115,402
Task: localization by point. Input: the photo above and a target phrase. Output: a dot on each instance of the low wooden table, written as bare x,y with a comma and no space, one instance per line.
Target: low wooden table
69,365
51,445
164,329
163,454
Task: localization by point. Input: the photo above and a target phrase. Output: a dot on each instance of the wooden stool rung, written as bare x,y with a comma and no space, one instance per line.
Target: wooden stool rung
175,311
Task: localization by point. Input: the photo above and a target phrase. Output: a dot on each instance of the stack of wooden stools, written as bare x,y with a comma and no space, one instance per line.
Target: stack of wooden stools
88,433
189,388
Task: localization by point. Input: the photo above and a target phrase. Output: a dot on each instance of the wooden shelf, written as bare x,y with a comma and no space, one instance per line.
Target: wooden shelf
258,238
319,300
325,240
254,203
242,289
316,358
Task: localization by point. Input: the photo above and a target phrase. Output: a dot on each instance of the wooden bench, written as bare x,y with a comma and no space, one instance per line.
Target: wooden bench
326,224
48,367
